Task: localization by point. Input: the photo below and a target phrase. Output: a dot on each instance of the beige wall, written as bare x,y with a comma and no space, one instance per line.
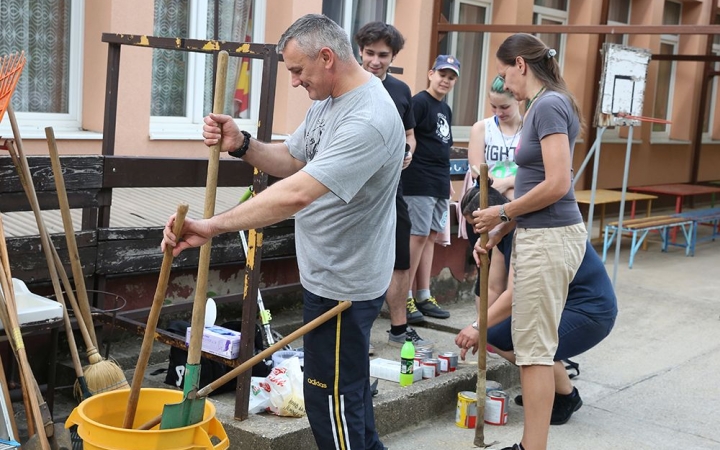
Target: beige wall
653,161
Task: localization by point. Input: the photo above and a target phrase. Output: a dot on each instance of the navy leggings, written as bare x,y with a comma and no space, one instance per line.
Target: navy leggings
338,400
577,334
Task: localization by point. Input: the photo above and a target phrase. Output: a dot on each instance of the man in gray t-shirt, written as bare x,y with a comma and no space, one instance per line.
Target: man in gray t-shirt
341,168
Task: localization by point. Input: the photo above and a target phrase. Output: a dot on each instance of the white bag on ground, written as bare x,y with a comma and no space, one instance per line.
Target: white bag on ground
281,392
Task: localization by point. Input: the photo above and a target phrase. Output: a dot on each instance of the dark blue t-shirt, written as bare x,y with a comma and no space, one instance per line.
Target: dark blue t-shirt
591,291
429,172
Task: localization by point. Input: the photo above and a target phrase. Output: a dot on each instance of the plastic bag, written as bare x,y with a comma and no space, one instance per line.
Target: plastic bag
281,392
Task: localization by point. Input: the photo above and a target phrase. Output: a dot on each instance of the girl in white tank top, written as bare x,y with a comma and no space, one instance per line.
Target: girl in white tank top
493,139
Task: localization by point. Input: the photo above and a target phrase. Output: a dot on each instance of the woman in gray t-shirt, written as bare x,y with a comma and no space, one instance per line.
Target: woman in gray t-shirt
550,235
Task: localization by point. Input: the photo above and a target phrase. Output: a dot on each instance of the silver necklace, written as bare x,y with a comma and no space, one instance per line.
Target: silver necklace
513,137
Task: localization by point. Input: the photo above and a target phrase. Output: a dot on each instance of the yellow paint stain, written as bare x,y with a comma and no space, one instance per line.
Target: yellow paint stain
144,40
178,42
245,48
211,45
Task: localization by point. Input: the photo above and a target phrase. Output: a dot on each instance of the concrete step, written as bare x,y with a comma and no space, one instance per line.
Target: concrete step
396,408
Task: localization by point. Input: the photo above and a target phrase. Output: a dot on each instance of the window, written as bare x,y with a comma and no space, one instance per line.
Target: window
618,14
552,12
710,105
666,69
49,90
468,96
182,82
353,14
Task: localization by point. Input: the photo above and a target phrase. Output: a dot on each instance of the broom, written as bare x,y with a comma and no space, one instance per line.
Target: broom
101,375
108,376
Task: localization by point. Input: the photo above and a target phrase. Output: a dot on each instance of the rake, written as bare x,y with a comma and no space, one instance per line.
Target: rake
10,68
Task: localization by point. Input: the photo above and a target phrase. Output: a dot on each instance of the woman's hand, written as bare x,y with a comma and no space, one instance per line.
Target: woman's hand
467,339
486,219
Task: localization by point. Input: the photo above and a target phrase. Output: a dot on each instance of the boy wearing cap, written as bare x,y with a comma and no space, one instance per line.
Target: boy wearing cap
426,181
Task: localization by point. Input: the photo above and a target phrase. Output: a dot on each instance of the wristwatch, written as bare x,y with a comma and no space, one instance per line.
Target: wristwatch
504,217
475,325
240,152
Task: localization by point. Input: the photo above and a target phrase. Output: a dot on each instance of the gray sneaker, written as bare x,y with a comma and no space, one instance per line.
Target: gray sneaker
399,340
413,315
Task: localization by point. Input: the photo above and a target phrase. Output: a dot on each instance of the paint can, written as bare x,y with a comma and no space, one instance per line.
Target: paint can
425,352
466,412
491,385
496,408
418,361
448,361
431,368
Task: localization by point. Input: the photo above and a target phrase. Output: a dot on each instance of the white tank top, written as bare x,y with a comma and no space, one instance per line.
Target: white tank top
498,146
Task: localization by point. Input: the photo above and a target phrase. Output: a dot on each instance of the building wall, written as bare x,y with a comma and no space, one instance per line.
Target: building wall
655,159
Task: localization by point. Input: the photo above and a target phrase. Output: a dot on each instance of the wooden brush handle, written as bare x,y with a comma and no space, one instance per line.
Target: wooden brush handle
197,323
152,321
78,277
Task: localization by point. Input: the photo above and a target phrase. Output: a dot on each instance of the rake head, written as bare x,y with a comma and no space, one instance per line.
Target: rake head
10,68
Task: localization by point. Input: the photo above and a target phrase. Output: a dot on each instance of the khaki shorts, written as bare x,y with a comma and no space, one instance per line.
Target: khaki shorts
544,262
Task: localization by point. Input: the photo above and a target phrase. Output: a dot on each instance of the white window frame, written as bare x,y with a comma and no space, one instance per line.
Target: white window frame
556,15
65,125
189,127
462,133
713,95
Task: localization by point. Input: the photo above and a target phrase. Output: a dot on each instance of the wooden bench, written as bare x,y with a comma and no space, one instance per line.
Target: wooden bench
709,216
639,229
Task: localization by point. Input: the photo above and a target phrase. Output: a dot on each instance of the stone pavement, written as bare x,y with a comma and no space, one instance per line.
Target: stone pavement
652,384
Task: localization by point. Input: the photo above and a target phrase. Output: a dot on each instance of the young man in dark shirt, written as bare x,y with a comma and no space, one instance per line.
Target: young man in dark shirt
379,44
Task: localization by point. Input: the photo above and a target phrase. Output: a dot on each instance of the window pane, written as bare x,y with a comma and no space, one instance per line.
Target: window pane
169,72
619,11
554,4
42,30
552,40
235,25
467,91
662,90
671,13
334,9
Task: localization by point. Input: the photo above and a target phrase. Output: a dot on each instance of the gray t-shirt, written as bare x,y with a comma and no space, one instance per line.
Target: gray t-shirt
345,240
552,113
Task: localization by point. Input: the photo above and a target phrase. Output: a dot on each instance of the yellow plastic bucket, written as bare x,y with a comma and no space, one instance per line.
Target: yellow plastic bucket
99,420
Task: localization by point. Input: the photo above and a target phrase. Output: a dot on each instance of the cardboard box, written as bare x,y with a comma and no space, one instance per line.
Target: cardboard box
219,341
390,370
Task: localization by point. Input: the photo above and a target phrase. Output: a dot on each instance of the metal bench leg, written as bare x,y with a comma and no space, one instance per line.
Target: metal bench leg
636,243
690,232
608,240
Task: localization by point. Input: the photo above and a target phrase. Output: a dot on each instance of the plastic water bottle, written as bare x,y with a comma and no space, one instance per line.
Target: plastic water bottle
407,362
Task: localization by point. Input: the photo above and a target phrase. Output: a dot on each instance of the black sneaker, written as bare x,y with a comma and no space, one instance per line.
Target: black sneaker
431,308
563,406
515,447
399,340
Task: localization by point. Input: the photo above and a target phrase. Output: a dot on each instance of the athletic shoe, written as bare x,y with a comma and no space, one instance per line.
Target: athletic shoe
431,308
563,406
399,340
413,315
371,350
515,447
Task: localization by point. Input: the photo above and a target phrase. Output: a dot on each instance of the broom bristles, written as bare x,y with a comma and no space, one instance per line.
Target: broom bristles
102,376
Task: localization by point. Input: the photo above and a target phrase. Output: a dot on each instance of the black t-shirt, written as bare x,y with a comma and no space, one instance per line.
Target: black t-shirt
429,172
400,93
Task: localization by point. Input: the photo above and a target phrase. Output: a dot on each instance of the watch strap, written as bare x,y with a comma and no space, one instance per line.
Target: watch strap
240,152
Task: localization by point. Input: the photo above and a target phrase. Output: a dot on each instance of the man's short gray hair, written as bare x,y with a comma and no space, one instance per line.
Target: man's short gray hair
315,31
